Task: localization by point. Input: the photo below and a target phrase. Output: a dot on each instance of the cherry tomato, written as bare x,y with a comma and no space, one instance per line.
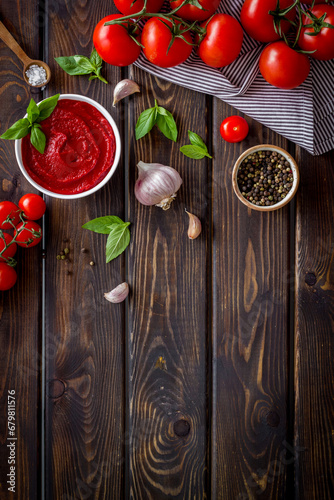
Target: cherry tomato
156,37
9,209
323,42
33,206
259,24
114,43
126,7
223,40
283,67
29,235
193,13
8,276
11,250
234,129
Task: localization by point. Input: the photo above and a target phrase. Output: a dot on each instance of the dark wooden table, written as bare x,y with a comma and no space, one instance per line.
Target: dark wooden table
241,404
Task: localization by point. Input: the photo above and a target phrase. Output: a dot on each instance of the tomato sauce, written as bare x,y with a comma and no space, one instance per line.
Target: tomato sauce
79,152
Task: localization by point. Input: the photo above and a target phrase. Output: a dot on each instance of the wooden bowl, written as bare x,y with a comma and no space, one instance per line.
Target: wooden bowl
295,172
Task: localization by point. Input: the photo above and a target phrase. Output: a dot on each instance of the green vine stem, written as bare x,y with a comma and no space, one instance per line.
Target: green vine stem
35,234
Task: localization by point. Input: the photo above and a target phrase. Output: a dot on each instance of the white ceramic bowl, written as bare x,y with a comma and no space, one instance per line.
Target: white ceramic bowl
105,113
294,168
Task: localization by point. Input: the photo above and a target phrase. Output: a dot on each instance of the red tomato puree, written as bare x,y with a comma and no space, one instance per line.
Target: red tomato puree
80,149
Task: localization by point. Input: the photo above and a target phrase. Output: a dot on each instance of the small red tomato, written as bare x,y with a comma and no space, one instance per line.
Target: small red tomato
234,129
28,235
8,276
9,209
33,206
11,250
282,66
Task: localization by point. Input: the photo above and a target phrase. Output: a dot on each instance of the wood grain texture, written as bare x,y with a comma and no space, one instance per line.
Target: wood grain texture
20,308
168,310
84,332
314,341
250,332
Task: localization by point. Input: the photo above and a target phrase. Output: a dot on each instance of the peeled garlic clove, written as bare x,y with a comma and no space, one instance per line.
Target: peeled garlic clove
195,226
157,184
123,89
118,294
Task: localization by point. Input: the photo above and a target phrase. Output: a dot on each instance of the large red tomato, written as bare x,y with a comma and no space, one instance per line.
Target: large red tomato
222,42
282,66
156,38
193,13
114,43
323,42
259,24
128,7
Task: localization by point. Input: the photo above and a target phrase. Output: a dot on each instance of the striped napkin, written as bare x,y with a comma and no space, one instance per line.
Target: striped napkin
304,115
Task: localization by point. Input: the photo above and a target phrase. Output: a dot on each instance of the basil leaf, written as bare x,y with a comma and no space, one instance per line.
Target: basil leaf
32,111
102,224
117,241
195,152
95,59
145,122
70,66
167,125
98,73
196,140
18,130
38,139
46,107
84,63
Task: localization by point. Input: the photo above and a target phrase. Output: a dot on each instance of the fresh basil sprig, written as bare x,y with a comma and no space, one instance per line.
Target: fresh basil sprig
82,65
197,150
35,114
119,234
156,116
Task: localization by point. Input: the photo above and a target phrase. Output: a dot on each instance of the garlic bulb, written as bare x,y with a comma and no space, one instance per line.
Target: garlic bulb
118,294
195,226
157,184
123,89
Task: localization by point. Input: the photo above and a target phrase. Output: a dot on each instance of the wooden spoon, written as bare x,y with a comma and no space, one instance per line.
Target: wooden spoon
14,46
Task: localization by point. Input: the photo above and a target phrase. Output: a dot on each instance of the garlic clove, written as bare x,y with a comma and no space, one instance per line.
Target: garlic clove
157,184
195,226
123,89
118,294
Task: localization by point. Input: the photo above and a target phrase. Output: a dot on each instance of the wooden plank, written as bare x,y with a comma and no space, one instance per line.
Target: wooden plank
314,352
250,332
84,332
20,308
168,310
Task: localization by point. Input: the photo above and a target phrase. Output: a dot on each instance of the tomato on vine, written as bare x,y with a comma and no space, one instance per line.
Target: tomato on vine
166,42
5,240
318,32
127,7
28,234
117,44
8,210
196,10
8,276
221,40
282,66
33,206
267,20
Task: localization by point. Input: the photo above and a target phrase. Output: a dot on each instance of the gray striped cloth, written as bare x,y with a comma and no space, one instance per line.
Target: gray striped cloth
304,115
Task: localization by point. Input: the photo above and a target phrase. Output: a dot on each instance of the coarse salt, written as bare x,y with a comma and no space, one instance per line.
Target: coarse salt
36,75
